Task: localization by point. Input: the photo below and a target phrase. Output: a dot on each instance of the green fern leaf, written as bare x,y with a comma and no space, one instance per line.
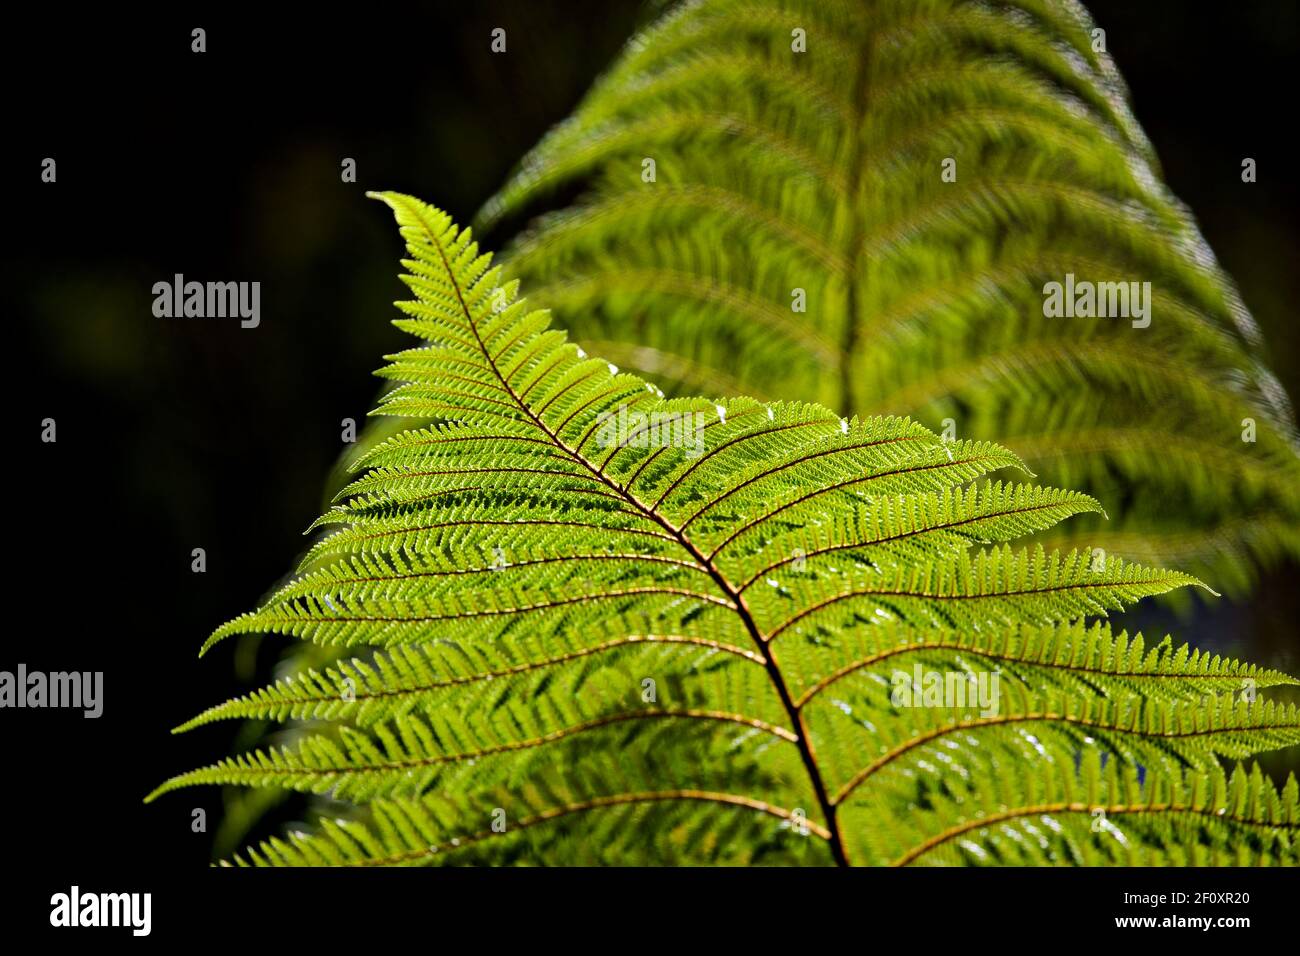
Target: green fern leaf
593,625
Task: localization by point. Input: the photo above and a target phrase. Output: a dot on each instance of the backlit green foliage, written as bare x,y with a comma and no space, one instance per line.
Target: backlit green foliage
567,647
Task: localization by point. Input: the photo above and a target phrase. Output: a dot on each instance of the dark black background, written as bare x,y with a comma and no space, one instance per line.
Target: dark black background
176,435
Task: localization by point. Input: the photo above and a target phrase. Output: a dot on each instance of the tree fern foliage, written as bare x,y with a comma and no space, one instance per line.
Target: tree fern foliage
563,643
800,150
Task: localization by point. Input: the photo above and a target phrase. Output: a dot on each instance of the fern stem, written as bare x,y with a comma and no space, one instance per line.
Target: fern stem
953,832
803,742
1114,727
1009,659
621,799
857,234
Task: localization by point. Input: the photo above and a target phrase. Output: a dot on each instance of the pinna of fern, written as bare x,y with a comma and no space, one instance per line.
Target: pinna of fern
863,202
573,645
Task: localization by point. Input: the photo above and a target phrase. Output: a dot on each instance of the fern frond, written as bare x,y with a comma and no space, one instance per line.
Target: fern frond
1110,816
591,624
812,176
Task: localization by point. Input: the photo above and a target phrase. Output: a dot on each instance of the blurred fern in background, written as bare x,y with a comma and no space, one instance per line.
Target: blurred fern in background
798,149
